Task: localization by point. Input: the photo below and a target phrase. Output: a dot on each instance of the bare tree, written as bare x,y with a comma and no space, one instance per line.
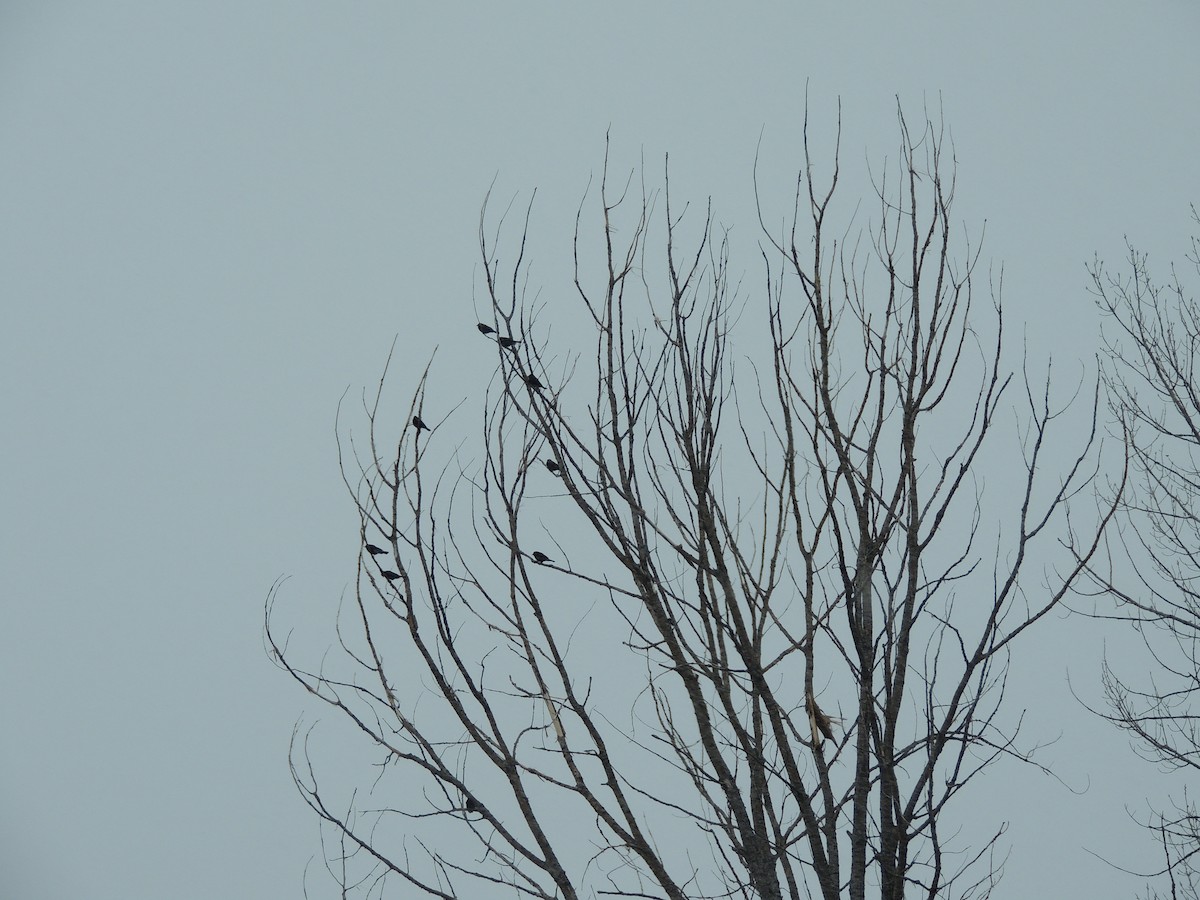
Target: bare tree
1153,381
689,635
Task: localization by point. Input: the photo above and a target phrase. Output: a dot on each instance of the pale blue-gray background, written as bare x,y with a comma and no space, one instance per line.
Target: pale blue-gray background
214,217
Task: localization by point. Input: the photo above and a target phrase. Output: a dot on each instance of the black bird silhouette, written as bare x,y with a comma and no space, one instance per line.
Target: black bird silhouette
485,329
375,551
418,424
473,805
541,558
389,575
507,343
553,466
532,381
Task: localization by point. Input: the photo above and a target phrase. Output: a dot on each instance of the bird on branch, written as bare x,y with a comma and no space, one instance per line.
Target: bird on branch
554,467
419,424
389,575
541,558
374,551
819,722
507,343
485,329
532,381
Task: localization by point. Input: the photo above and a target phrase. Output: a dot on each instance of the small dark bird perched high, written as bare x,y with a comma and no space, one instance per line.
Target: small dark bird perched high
554,467
532,381
507,343
389,575
373,550
418,424
541,558
485,329
473,805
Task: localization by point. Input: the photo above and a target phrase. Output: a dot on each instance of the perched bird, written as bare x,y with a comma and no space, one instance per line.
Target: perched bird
507,343
485,329
532,381
819,721
389,575
541,558
554,467
473,805
374,551
418,424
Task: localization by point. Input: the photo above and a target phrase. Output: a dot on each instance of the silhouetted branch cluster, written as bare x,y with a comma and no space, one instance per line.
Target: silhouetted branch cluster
683,634
1152,569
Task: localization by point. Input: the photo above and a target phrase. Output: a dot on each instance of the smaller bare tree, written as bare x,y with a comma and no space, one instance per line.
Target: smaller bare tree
1153,350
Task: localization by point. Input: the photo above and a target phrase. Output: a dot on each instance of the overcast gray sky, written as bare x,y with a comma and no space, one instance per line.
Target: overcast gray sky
214,217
